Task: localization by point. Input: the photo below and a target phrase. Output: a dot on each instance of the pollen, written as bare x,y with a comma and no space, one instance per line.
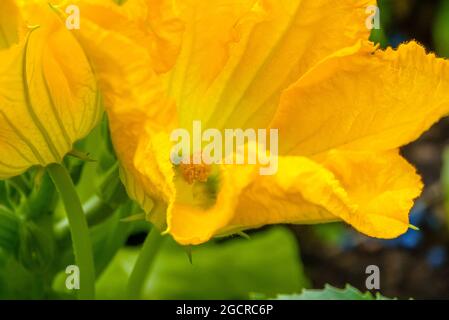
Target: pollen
195,172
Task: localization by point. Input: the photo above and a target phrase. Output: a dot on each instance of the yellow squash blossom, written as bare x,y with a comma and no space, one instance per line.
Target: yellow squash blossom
343,107
48,93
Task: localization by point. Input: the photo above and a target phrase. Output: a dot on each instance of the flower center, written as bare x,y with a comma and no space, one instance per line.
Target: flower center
195,172
197,185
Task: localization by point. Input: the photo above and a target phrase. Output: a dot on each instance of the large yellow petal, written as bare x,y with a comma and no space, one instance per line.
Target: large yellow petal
238,56
373,192
10,23
48,98
364,99
153,24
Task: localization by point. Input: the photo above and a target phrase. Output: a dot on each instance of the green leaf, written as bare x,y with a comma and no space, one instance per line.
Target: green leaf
231,269
109,237
18,283
331,293
441,30
111,189
41,201
36,249
9,230
330,233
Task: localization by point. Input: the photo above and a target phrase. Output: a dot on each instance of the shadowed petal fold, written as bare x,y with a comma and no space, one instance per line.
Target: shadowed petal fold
10,23
134,97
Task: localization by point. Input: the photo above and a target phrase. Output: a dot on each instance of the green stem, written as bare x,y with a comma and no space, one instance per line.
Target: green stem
144,263
95,210
80,232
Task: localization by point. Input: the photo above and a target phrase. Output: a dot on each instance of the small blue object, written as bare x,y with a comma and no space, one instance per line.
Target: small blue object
411,239
397,38
436,257
418,214
347,242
